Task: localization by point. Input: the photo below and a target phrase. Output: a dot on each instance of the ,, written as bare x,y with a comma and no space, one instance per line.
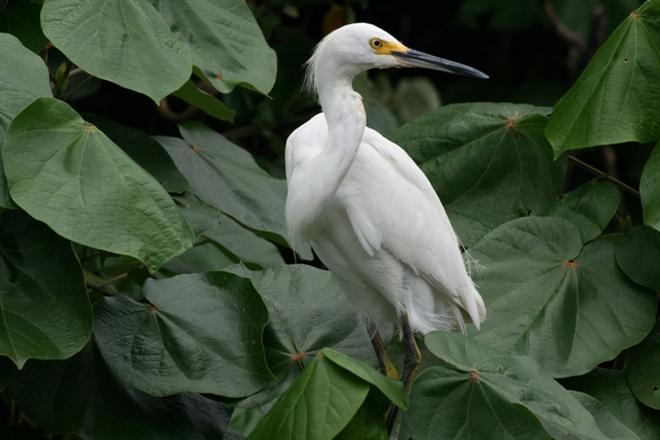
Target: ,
366,209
